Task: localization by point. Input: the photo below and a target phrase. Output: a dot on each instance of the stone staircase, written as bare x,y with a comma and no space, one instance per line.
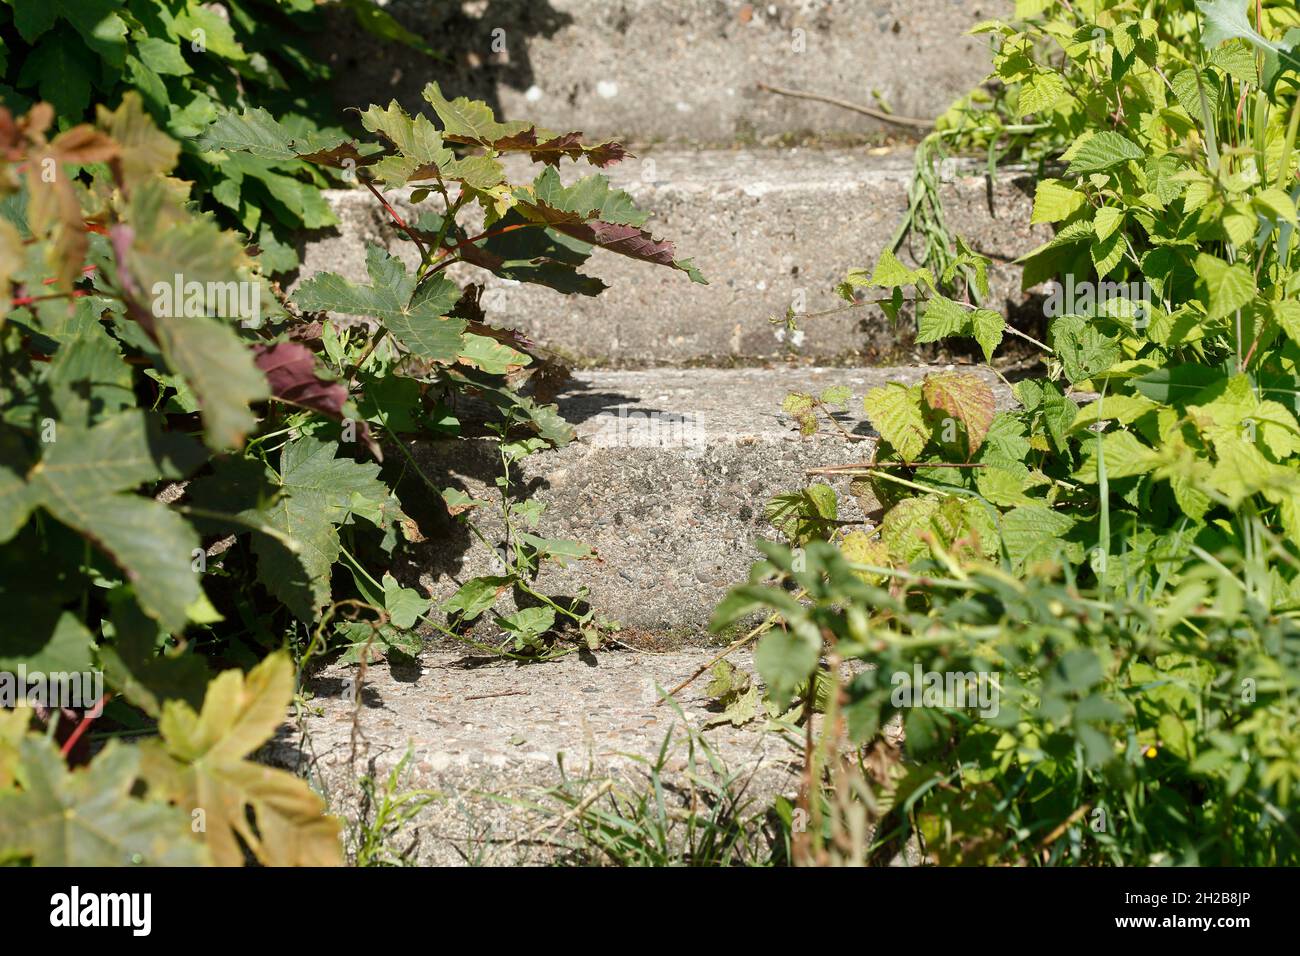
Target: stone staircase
677,389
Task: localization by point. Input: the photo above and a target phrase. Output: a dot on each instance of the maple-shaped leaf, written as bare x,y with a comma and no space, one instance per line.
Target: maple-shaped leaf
967,398
472,122
201,764
88,817
593,212
420,150
258,133
525,251
161,241
146,151
291,371
317,492
83,479
417,317
895,411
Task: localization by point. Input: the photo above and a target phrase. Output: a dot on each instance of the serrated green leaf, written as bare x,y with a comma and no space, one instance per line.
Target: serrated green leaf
895,412
416,317
1055,200
987,327
1229,287
941,318
1102,151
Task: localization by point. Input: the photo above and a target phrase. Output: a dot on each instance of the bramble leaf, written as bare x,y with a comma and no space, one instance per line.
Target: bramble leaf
1102,151
967,398
895,412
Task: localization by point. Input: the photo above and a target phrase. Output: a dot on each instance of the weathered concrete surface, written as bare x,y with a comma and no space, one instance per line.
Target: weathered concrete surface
667,481
675,70
484,733
770,229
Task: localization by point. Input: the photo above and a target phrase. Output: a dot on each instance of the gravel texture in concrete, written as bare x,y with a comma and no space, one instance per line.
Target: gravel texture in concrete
770,229
674,70
490,737
667,480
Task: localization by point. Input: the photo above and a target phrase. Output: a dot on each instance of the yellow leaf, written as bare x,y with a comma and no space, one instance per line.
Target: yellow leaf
201,765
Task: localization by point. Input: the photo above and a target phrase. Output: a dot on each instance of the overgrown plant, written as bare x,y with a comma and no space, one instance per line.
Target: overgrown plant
191,62
186,460
1154,469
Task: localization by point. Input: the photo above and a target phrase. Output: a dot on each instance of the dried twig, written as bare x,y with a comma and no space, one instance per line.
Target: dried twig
864,465
504,693
855,107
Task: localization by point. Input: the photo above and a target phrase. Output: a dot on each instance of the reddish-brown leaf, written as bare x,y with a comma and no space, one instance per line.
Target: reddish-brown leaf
290,368
551,151
967,398
84,144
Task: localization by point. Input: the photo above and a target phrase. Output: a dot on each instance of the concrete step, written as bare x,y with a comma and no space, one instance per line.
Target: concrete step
771,229
675,70
667,481
489,737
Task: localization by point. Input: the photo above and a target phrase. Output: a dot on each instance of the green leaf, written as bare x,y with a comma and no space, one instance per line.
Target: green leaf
895,412
254,131
165,241
1040,93
1107,220
96,21
987,326
59,68
1124,454
1177,384
1083,349
417,140
785,660
144,674
1107,253
804,516
163,56
379,22
942,317
475,596
1228,287
529,625
1033,531
417,318
197,24
80,480
889,272
1055,200
1102,151
405,606
318,492
469,121
51,640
